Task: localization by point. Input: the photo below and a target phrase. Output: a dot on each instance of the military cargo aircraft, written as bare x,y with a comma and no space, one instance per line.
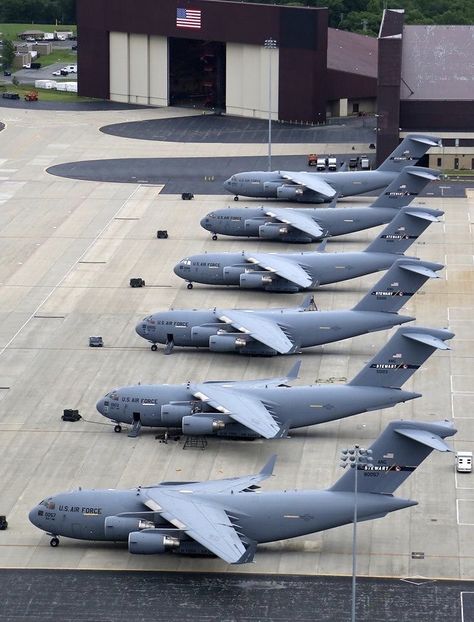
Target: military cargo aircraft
228,518
293,272
308,187
304,225
269,332
269,407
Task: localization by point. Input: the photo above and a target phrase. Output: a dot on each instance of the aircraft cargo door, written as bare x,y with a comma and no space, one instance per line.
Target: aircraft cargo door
197,74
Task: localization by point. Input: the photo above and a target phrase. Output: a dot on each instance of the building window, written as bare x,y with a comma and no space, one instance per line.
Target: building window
438,162
472,164
355,108
456,164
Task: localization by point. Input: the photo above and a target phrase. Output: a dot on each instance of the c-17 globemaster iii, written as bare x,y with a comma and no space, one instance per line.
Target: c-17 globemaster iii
308,224
269,407
285,331
322,187
293,272
230,517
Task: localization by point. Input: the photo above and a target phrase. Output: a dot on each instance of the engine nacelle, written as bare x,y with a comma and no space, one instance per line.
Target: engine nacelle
226,343
231,274
272,231
290,192
150,542
119,527
172,414
255,280
200,334
252,225
197,425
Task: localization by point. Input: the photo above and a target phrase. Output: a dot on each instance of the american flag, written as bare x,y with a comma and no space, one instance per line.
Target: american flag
188,18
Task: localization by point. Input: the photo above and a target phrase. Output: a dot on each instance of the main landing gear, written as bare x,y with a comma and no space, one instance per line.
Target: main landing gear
189,285
54,542
236,198
154,347
118,428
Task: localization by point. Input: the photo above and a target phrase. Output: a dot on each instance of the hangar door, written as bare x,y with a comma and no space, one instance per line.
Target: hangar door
138,69
197,73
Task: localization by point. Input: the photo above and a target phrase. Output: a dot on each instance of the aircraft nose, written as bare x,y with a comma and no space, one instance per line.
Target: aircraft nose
205,222
227,184
33,516
100,406
139,329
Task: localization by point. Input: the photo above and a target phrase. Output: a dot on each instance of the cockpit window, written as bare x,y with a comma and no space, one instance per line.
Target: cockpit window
186,262
48,503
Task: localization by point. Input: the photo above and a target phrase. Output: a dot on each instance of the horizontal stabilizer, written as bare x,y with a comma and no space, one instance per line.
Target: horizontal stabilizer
430,340
426,438
420,269
422,214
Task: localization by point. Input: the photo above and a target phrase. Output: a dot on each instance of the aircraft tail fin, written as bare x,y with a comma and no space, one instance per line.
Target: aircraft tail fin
399,359
397,452
408,152
403,279
406,187
403,230
294,371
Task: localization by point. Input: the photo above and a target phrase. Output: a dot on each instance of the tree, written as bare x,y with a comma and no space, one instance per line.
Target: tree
8,53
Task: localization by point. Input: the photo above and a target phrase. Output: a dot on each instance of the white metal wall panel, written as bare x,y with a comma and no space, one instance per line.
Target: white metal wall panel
119,67
158,54
138,69
247,80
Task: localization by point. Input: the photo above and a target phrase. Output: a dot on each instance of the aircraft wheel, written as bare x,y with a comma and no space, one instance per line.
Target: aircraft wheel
154,347
54,542
236,198
189,286
214,237
118,428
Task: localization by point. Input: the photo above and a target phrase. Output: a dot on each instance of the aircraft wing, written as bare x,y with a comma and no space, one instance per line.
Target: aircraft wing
202,519
288,270
298,220
259,328
243,408
313,181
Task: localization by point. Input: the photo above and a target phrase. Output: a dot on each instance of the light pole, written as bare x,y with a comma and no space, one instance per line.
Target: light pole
355,457
270,44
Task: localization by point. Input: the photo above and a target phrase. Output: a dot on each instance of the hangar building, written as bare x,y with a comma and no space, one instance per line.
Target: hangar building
212,54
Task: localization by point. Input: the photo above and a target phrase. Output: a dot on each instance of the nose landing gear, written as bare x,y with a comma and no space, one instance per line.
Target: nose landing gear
189,285
154,347
214,237
236,198
118,428
54,542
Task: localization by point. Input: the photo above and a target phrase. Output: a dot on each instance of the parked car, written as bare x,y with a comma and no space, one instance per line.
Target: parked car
7,73
57,72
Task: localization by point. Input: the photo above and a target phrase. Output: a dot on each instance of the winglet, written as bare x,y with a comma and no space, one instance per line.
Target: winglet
307,303
333,202
249,554
294,371
283,431
321,248
267,469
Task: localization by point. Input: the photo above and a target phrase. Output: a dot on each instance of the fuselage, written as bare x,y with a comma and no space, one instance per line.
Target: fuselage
296,406
253,222
323,268
263,516
203,329
273,185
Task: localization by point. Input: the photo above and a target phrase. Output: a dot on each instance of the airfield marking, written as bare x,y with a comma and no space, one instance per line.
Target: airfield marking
463,618
74,265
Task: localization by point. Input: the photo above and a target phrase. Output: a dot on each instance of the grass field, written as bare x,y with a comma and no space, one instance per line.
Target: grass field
43,94
11,31
67,57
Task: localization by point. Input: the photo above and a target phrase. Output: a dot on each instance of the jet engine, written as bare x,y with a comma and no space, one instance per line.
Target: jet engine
232,274
197,425
255,280
173,413
150,542
226,343
272,231
290,192
119,527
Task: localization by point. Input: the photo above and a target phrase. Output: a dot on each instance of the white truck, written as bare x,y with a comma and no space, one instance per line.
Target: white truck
332,163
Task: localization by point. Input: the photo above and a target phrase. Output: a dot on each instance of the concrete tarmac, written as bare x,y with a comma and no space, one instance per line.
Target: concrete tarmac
69,248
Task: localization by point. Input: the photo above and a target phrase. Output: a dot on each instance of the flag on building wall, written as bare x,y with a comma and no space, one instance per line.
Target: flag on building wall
188,18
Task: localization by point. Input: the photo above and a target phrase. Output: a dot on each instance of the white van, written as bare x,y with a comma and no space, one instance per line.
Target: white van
464,461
